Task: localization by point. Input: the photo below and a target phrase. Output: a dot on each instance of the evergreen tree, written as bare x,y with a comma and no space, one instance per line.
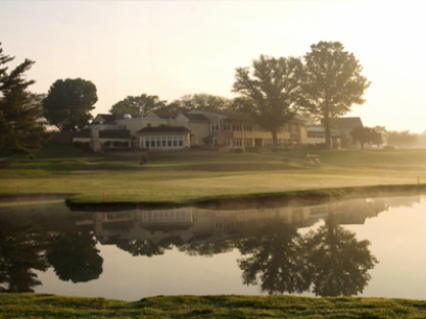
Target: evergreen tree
21,132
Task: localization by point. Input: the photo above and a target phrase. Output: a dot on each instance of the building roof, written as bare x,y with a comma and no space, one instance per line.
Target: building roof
196,117
348,123
167,114
103,134
164,129
228,114
108,118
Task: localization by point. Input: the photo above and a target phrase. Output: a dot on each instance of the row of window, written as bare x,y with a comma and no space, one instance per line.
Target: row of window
237,126
248,142
163,141
313,135
168,215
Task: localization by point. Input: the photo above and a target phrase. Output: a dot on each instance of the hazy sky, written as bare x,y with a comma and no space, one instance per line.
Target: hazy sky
172,48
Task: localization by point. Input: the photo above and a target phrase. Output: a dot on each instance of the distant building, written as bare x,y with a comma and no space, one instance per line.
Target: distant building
160,130
340,133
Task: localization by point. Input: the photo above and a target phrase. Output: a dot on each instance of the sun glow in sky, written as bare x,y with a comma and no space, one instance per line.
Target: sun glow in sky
172,48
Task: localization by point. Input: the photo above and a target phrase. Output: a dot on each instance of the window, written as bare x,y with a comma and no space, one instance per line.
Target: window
227,126
238,142
286,128
214,127
237,126
267,141
228,142
294,129
248,142
163,141
248,127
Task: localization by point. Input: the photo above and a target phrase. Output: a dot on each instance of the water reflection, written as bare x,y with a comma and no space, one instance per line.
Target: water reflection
22,248
276,254
74,256
338,263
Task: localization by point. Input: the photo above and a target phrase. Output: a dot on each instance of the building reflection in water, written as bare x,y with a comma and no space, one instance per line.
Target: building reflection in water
329,261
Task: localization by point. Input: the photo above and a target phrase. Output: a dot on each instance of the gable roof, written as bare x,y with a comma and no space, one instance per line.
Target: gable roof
167,114
348,123
196,117
229,115
106,118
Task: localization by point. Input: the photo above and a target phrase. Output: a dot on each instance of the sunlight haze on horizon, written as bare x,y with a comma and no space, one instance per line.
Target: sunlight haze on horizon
173,48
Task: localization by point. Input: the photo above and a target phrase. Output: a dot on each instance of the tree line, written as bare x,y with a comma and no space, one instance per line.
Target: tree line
325,83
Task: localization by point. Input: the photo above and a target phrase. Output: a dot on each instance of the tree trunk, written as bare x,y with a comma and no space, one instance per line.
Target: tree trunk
327,127
327,135
274,139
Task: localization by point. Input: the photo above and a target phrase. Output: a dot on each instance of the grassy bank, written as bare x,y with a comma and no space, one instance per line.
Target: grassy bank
193,176
232,306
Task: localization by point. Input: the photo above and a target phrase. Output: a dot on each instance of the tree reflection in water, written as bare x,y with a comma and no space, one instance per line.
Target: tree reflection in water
278,257
75,257
338,263
22,248
143,248
330,260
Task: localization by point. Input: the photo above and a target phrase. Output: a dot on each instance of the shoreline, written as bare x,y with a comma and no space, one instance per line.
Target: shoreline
236,202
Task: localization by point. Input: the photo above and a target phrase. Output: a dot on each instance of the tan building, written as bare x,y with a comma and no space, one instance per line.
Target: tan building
160,130
231,129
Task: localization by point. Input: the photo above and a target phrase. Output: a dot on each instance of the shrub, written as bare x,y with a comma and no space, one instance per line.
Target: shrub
116,143
85,145
239,150
107,143
77,144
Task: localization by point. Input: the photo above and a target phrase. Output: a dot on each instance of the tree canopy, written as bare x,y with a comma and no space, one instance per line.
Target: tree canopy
21,132
202,101
363,135
132,105
69,102
333,83
271,93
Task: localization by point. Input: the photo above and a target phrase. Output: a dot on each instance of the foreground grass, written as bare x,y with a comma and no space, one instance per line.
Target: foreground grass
232,306
194,176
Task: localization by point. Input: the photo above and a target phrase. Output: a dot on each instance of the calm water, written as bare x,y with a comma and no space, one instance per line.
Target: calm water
365,247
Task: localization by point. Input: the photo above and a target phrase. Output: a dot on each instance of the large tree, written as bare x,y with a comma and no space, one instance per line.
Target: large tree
202,101
271,93
21,132
333,83
132,105
69,102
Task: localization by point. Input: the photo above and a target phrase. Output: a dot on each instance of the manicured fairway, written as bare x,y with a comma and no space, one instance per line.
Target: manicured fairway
191,176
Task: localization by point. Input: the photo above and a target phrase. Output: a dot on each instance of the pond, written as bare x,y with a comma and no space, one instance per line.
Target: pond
370,247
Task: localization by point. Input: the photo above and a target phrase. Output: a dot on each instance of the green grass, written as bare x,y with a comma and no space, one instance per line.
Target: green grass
230,306
193,176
